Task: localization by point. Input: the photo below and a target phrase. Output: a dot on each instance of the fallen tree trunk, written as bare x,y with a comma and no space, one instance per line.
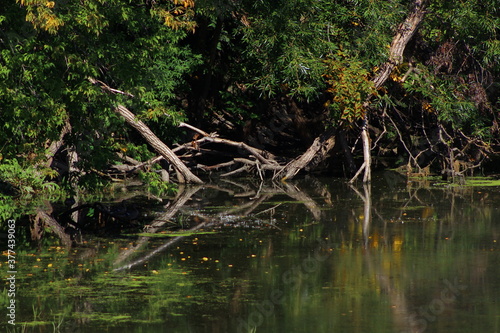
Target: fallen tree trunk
315,153
183,173
404,33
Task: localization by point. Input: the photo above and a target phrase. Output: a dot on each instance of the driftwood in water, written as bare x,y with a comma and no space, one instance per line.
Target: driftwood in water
262,156
253,158
250,158
316,153
256,159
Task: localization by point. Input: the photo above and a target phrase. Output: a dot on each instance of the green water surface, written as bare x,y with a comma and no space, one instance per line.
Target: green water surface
314,255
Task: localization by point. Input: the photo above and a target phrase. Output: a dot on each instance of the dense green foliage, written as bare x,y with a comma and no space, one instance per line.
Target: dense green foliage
46,63
172,60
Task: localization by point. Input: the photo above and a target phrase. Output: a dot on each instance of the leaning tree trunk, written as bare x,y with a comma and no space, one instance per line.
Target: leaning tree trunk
184,175
325,142
314,154
404,33
183,172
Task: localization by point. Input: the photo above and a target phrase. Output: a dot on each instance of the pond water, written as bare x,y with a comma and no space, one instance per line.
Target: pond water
312,255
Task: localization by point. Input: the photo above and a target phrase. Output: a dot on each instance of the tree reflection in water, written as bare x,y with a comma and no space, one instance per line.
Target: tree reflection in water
309,255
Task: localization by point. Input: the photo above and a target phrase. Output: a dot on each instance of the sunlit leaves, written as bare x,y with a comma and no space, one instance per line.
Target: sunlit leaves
27,179
42,15
47,16
91,17
178,16
349,86
50,48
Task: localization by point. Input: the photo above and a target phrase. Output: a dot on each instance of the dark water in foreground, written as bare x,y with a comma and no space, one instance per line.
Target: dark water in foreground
308,256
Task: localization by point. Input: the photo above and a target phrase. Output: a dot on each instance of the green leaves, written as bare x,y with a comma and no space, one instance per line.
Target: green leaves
45,63
474,23
27,179
284,48
349,87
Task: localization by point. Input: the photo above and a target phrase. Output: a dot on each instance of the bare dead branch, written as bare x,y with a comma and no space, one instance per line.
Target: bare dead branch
213,138
184,174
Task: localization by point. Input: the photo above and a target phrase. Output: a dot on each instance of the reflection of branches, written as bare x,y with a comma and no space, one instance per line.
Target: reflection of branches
320,189
256,199
184,194
183,197
401,311
400,306
271,209
255,204
266,192
367,209
295,193
157,250
247,190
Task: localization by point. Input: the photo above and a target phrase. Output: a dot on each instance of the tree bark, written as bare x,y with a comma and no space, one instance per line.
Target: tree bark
54,225
183,172
326,140
314,154
56,145
404,33
262,156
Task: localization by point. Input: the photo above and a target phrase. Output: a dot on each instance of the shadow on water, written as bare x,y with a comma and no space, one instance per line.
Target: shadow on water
315,255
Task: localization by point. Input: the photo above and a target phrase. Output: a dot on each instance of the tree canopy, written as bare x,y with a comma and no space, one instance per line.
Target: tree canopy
243,67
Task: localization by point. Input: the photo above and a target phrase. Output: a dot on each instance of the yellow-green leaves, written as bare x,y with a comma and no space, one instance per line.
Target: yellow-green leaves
348,86
179,14
41,14
48,16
